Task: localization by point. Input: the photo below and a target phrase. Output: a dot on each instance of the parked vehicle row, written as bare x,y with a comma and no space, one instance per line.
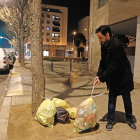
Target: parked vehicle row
6,61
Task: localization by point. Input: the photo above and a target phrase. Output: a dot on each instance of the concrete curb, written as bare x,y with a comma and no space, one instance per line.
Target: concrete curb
6,82
4,113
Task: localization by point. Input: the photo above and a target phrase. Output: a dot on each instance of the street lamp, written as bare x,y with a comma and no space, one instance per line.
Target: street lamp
1,37
74,33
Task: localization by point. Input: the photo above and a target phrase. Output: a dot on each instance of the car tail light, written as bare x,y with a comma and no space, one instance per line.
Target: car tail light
10,59
4,60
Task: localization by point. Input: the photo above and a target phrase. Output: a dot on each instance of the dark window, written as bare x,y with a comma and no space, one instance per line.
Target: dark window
43,15
48,22
56,23
56,29
48,34
48,16
42,33
47,40
102,3
42,27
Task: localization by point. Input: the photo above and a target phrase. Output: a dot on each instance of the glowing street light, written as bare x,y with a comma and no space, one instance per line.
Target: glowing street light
74,33
1,37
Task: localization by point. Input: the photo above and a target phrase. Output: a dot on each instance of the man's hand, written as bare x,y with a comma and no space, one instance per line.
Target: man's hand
97,81
97,77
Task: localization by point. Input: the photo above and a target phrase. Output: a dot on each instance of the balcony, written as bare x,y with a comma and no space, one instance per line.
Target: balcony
51,10
56,29
55,23
55,40
56,18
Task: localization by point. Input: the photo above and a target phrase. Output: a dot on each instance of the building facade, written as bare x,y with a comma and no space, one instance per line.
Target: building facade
83,27
123,16
54,30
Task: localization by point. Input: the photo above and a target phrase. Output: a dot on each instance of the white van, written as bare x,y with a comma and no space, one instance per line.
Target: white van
4,65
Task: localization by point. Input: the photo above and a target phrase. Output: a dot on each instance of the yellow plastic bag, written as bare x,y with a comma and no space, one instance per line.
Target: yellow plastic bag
72,112
86,116
45,113
60,103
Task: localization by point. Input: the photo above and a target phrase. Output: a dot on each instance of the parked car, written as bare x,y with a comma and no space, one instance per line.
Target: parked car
4,64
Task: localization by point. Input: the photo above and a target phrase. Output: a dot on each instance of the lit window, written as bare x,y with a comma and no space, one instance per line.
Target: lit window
53,40
56,35
48,9
53,17
48,28
52,34
57,18
45,53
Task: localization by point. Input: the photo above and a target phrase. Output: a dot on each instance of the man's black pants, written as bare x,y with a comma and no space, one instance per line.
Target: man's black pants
112,105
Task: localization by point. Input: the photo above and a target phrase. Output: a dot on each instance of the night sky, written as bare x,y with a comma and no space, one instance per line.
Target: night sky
3,43
77,9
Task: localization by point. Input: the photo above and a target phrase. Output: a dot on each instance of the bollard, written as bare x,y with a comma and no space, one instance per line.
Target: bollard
70,65
51,65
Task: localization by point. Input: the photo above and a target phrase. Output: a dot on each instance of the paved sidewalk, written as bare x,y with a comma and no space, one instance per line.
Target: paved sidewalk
75,87
4,83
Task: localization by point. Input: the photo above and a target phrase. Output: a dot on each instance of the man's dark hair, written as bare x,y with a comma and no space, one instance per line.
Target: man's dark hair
104,29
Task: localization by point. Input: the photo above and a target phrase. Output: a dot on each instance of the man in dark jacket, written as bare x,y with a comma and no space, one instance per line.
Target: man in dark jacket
115,70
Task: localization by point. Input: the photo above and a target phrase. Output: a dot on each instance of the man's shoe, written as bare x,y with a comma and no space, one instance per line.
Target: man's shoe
109,125
131,124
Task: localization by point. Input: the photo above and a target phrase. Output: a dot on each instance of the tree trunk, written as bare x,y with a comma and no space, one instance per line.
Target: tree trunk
38,79
19,51
22,39
22,47
77,56
19,44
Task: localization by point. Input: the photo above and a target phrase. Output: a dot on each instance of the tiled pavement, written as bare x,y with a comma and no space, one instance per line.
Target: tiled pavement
75,87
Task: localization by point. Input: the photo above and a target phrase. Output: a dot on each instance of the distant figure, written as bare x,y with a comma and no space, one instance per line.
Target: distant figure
13,56
115,70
